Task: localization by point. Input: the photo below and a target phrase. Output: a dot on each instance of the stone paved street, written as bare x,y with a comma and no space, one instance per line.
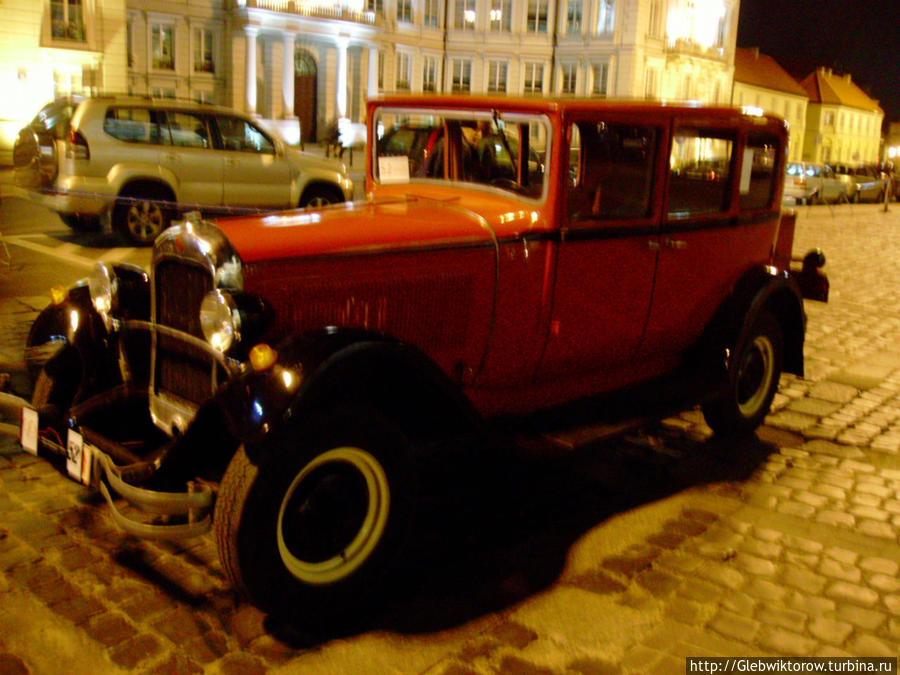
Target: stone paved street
647,550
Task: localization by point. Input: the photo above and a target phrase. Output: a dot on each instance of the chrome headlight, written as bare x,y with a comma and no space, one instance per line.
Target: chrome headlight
220,320
104,289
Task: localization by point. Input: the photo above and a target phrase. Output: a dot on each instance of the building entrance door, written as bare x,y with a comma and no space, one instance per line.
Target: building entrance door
305,94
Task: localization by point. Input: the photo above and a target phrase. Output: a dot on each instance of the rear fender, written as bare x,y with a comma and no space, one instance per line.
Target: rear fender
763,288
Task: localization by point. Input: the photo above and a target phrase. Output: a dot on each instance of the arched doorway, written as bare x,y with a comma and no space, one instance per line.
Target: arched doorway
305,93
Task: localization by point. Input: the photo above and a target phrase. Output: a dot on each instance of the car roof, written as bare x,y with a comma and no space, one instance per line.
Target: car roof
158,103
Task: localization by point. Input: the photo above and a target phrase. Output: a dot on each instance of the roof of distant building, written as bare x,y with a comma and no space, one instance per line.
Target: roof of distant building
824,86
759,70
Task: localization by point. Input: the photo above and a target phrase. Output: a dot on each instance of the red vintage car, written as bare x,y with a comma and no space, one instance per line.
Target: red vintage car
515,259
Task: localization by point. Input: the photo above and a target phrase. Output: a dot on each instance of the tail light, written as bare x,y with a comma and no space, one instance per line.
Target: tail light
76,146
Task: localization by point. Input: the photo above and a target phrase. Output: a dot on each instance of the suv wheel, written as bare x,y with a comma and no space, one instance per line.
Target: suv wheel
753,374
141,214
310,525
320,195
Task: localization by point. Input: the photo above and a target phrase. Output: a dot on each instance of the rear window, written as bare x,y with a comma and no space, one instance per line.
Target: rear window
135,125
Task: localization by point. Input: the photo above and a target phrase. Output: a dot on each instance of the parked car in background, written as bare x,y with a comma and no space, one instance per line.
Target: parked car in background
295,371
140,161
806,182
869,182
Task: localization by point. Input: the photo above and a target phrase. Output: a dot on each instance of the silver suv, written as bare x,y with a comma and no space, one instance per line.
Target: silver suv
140,161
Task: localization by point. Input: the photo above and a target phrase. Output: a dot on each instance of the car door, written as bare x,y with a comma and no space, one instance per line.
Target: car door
189,155
720,216
256,173
608,249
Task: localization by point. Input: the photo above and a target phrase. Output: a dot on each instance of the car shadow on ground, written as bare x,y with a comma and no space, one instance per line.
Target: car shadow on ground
500,525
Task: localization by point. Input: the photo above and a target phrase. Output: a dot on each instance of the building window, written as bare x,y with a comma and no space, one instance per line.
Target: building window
569,75
829,119
606,17
497,77
203,51
67,20
404,11
650,83
464,15
574,12
162,92
376,6
380,70
537,16
428,74
432,13
462,76
534,78
501,16
162,45
403,71
601,79
655,27
129,43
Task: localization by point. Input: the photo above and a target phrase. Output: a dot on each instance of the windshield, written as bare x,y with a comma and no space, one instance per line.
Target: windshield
483,148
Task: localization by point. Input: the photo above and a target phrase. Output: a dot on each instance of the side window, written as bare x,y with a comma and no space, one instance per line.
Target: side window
610,171
758,171
188,130
700,171
135,125
238,134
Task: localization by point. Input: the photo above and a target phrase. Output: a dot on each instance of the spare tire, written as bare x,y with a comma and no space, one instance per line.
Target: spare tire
35,158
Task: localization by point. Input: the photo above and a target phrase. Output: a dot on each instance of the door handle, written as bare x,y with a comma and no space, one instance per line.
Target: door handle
675,243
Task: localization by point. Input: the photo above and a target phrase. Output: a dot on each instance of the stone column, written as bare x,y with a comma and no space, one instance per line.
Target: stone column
287,78
373,72
250,86
341,84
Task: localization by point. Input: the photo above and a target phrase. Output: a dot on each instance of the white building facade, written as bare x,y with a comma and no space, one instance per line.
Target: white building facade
306,63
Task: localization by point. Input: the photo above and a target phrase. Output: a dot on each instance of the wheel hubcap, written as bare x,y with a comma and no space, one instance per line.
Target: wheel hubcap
755,375
333,515
145,220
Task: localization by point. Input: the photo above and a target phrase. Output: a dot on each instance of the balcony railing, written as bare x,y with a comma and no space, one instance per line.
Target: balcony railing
688,47
306,8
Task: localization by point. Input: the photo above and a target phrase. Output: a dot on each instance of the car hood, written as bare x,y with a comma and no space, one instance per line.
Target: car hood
385,224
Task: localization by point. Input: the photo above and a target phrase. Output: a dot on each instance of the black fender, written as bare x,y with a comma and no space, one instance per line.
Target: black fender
763,288
337,367
70,338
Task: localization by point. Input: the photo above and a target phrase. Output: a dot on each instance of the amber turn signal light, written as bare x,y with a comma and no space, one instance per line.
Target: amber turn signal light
262,357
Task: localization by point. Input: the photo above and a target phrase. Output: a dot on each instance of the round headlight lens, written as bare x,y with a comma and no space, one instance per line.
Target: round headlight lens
219,320
102,286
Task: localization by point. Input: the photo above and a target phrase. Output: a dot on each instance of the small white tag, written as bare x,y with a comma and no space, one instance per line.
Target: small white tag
747,170
87,463
29,431
393,169
74,454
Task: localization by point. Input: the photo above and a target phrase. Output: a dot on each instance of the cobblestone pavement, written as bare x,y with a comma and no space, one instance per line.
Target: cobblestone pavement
664,545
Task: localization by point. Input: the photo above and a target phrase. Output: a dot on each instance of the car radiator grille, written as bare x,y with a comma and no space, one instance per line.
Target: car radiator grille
181,369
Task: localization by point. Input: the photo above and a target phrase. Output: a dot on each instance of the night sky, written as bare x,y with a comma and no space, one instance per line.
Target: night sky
859,37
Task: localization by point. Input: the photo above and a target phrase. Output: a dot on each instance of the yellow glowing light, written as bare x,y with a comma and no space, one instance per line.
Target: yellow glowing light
696,21
58,295
262,357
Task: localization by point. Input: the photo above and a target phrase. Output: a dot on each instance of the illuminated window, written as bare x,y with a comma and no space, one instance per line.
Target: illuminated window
497,77
501,16
203,51
162,46
828,121
600,72
574,13
537,16
404,11
606,17
464,15
403,71
67,20
654,29
569,75
376,6
534,78
651,78
462,76
431,13
428,74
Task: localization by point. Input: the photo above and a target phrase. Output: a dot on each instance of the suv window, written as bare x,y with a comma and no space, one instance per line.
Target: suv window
700,168
136,125
611,170
188,130
238,134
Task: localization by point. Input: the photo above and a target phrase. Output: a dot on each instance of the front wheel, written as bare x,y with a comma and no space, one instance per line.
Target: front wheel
311,526
320,195
753,373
